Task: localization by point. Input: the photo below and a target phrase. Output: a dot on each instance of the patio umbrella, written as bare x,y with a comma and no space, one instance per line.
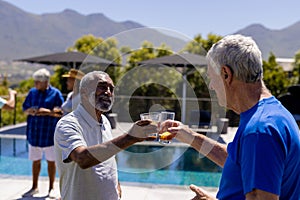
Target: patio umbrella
68,59
182,61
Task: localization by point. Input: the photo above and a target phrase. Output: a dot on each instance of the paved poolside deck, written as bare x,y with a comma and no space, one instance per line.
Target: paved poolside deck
12,188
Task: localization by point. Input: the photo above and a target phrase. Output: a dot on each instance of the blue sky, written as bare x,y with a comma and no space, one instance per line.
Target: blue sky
189,17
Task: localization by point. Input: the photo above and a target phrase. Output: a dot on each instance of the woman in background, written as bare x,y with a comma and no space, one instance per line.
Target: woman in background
73,99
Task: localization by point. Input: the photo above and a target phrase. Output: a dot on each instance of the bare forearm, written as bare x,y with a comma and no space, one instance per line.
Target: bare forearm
210,148
56,112
11,102
108,149
98,153
90,156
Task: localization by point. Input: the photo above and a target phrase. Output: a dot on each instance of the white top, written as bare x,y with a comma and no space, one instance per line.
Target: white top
2,102
99,182
71,103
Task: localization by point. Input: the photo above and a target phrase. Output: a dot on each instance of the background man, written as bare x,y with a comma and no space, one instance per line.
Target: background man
42,105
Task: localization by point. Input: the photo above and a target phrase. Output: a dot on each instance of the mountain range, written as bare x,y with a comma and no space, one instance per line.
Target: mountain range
25,34
282,43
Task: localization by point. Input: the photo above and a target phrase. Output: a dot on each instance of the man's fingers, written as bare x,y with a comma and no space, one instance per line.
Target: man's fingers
173,130
195,189
143,128
200,193
143,122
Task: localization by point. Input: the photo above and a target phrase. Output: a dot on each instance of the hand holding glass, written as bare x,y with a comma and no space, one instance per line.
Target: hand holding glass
154,116
164,137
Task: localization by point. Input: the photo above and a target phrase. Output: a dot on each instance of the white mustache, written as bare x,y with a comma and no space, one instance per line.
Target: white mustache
101,101
105,98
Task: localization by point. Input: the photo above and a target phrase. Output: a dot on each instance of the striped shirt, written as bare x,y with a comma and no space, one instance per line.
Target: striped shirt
40,129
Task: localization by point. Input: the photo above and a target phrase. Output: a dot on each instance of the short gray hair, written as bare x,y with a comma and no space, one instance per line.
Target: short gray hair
41,75
90,80
241,54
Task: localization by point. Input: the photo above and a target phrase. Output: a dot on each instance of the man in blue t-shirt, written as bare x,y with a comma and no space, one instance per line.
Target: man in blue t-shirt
43,107
262,161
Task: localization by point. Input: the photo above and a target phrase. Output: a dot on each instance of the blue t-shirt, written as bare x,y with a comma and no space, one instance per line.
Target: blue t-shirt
264,155
40,129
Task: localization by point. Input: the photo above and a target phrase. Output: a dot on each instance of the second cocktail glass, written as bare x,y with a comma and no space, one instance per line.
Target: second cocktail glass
164,138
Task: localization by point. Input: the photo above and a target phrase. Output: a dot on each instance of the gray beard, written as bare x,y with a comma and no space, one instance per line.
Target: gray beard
101,106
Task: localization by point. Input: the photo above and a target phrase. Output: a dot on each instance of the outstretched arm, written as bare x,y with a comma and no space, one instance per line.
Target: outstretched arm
87,157
208,147
11,102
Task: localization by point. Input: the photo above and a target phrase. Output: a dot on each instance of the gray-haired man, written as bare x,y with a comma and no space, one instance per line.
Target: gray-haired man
84,145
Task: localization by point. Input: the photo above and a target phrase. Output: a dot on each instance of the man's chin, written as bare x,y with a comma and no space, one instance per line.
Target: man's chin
103,108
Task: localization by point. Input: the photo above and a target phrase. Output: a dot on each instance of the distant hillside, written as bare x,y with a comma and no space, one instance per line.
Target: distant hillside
283,43
24,34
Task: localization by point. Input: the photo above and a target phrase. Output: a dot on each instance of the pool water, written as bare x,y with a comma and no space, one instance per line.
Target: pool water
139,163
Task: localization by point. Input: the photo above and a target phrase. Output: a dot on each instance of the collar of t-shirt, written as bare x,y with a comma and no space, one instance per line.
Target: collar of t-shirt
104,123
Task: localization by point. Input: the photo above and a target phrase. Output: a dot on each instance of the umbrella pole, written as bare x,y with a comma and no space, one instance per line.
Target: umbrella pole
183,113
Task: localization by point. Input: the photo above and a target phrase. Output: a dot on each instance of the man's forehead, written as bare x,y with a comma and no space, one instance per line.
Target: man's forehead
104,79
39,81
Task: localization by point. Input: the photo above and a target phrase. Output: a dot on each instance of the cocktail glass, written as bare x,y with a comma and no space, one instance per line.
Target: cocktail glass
165,137
154,116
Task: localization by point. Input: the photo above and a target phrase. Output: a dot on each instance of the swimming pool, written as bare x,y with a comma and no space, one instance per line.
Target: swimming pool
140,163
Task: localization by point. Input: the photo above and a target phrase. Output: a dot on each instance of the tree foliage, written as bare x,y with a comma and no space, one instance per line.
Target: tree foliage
200,45
150,80
146,52
296,70
7,117
275,78
154,81
106,49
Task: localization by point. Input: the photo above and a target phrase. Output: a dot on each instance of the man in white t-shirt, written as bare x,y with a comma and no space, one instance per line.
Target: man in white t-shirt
84,146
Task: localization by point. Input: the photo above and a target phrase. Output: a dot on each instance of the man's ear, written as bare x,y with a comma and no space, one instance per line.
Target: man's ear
226,73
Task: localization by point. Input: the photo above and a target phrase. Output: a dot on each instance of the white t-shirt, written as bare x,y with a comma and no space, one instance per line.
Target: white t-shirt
71,103
98,182
2,102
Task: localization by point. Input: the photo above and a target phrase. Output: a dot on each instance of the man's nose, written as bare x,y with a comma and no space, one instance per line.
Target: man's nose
108,91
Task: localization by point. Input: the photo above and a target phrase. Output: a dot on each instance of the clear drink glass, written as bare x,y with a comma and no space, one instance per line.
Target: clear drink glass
144,116
164,137
154,116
